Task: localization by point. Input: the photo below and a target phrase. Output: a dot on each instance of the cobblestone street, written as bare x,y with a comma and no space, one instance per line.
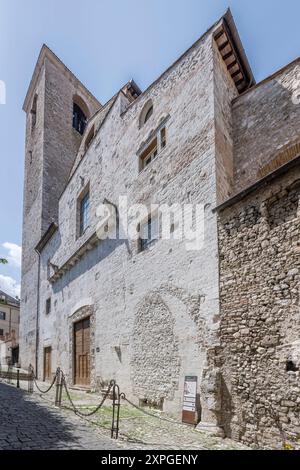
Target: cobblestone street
32,422
27,422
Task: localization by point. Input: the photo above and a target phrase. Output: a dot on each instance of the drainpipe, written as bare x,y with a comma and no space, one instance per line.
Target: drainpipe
9,327
37,320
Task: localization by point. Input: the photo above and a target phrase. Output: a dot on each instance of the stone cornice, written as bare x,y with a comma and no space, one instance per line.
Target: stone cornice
88,245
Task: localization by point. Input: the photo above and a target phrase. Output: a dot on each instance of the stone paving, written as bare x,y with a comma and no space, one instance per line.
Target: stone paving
32,422
28,422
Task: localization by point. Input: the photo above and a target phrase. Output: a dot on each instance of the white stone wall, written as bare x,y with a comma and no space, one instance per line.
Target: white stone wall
159,308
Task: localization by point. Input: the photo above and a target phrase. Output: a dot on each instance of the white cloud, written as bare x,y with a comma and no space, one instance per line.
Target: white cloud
10,285
14,253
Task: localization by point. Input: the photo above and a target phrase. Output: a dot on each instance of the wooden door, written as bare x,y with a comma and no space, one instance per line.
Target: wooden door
47,364
82,352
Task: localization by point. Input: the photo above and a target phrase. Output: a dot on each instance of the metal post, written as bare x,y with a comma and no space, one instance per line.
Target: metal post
9,373
59,384
30,379
18,378
115,412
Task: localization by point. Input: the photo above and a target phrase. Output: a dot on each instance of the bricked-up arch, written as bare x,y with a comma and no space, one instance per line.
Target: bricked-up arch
146,113
155,358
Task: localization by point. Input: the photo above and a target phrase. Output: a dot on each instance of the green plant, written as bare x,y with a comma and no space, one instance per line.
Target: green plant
287,446
3,261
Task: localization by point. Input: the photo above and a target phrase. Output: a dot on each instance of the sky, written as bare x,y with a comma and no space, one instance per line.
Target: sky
106,43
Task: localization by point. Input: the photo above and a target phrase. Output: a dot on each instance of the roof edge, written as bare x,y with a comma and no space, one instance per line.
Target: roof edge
46,237
46,52
239,45
268,78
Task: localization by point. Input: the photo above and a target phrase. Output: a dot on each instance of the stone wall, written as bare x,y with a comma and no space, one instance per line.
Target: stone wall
156,312
265,124
260,314
51,146
224,92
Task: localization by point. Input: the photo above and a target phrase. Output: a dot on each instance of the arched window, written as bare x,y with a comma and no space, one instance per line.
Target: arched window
149,113
80,114
33,112
79,119
146,112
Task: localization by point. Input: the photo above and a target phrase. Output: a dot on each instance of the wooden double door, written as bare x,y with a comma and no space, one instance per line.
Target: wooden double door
82,347
47,364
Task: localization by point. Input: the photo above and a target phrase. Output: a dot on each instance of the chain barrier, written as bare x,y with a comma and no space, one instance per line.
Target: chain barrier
60,380
161,418
76,410
51,385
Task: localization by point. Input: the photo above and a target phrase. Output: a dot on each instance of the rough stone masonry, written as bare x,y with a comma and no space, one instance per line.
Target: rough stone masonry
202,133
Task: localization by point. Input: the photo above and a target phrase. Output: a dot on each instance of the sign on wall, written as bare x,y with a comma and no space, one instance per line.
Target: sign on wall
189,410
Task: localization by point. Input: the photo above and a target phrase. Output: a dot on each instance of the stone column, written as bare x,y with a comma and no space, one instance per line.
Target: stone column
210,397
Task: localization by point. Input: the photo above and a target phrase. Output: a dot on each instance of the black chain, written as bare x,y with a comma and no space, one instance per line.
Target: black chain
51,385
123,397
76,410
8,373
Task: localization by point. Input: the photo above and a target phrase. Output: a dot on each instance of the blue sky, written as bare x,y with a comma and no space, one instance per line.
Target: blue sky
105,43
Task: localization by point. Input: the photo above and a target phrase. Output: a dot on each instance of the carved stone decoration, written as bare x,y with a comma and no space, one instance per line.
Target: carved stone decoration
210,393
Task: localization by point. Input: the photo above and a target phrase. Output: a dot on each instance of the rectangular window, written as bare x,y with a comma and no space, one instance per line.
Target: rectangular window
163,138
149,232
2,315
48,306
148,155
1,332
84,207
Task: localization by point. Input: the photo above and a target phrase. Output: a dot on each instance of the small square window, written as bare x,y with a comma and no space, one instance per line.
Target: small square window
149,154
48,306
163,138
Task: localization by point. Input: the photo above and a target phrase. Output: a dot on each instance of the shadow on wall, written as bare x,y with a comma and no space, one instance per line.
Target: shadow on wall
25,424
227,409
103,249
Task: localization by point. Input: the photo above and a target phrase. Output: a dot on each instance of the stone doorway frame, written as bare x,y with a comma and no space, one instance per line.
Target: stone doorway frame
83,312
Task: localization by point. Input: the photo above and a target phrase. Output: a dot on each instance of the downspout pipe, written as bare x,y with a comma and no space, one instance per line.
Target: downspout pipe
37,319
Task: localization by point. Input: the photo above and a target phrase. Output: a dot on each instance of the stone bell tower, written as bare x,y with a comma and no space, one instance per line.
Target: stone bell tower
53,137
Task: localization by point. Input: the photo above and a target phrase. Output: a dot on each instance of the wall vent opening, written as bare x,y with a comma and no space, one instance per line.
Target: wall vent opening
155,404
291,366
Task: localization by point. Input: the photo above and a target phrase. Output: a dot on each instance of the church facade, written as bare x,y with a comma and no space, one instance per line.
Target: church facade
146,310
